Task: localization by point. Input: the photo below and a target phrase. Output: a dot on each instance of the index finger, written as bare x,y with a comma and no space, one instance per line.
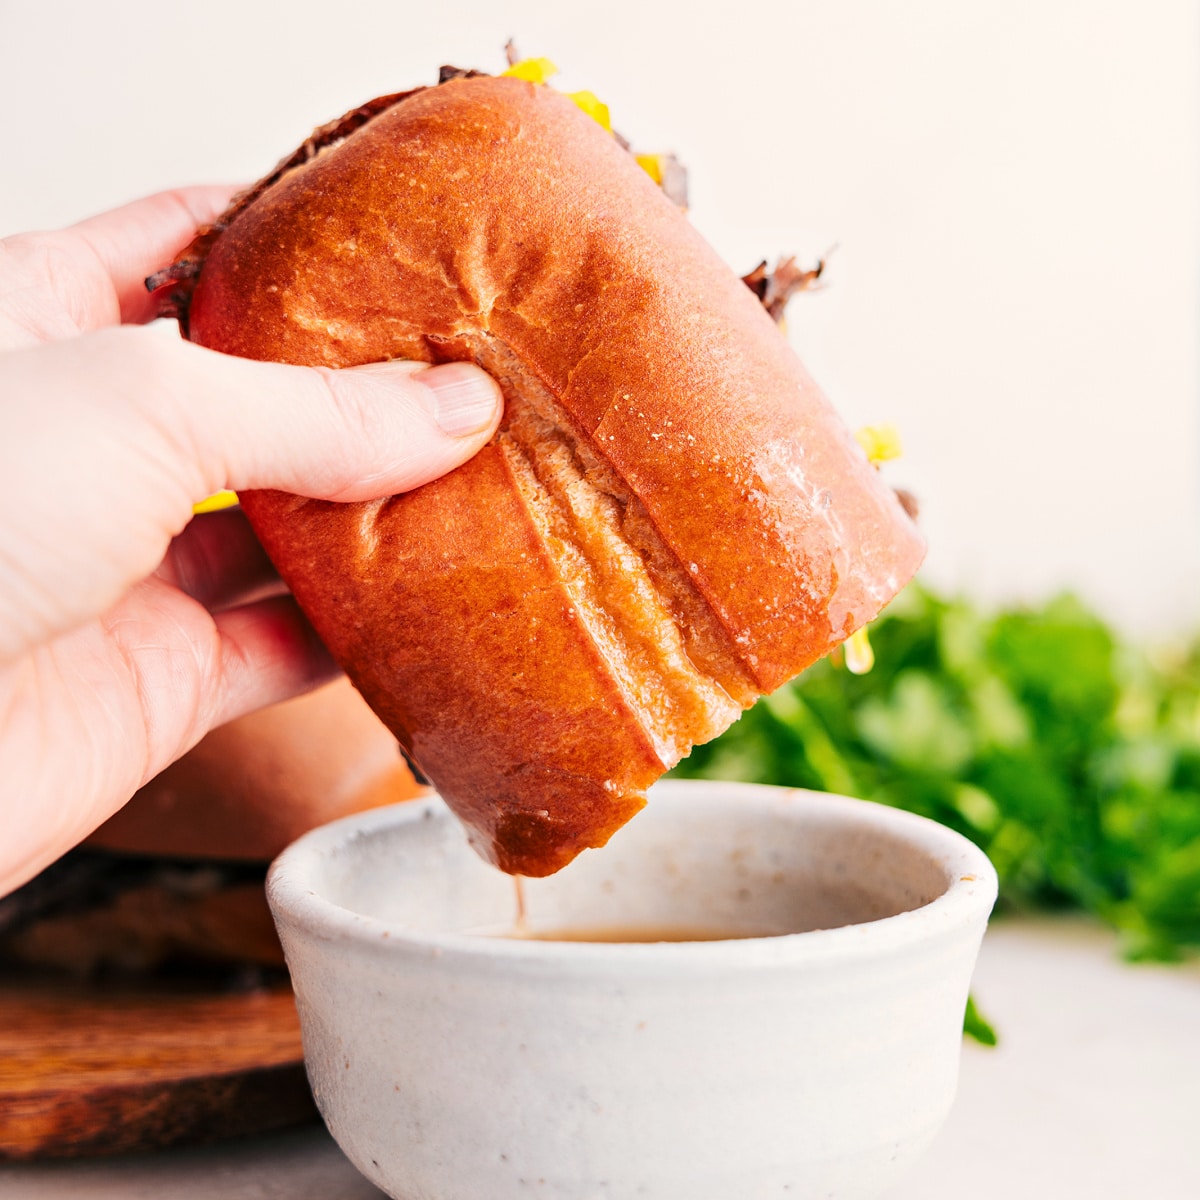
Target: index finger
134,241
60,283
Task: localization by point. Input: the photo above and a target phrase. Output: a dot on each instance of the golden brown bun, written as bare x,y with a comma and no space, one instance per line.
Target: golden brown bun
671,521
254,785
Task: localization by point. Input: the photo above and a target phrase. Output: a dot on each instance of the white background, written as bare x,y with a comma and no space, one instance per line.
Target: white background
1012,186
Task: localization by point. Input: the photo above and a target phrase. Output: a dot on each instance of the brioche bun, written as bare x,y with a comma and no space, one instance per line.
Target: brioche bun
671,520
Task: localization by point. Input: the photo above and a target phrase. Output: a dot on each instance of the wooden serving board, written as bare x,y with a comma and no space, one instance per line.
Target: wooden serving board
97,1072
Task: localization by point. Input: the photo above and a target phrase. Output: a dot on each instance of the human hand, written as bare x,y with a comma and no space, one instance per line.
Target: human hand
128,629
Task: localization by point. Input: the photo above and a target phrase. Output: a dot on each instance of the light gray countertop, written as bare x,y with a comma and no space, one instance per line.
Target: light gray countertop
1093,1093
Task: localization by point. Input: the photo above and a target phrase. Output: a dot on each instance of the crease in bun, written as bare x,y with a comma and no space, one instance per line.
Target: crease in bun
630,613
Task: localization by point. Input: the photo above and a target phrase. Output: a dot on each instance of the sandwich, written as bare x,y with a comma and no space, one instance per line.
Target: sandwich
671,520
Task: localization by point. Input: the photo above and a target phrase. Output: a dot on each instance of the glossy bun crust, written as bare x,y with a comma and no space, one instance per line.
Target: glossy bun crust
671,520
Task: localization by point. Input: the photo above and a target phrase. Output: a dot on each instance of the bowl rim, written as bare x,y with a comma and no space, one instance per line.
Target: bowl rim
965,903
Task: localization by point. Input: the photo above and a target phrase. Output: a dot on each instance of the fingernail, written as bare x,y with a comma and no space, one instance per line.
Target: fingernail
465,398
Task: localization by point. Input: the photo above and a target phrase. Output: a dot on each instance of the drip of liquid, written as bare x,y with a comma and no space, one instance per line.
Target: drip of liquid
520,927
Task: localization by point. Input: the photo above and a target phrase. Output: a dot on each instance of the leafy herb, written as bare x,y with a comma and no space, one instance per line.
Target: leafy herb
1069,756
977,1026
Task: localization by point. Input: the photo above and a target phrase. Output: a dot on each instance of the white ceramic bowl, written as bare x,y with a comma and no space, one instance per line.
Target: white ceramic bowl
455,1066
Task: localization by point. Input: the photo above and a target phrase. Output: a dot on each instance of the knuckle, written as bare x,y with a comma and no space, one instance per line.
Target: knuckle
347,400
363,416
357,408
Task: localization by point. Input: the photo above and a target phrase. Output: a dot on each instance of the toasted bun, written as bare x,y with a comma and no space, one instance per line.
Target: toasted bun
671,520
254,785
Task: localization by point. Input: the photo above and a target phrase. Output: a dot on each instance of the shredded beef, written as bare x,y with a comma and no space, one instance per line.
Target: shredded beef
675,180
447,73
908,502
775,288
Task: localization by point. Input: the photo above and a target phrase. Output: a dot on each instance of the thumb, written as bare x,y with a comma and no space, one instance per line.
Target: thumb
110,438
351,434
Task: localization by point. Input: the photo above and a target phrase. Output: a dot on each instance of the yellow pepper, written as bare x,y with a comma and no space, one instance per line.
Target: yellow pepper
591,104
225,499
539,70
880,442
532,70
860,658
652,164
